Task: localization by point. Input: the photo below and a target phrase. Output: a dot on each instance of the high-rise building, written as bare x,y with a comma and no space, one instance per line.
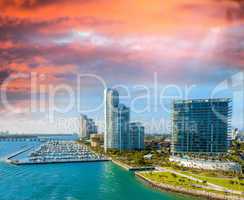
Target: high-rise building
118,133
87,127
83,126
123,127
91,126
117,118
200,126
111,119
136,136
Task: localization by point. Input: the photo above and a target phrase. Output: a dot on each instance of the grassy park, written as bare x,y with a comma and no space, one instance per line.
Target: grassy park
172,179
167,179
218,178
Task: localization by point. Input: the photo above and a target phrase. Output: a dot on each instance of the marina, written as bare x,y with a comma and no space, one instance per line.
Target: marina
57,152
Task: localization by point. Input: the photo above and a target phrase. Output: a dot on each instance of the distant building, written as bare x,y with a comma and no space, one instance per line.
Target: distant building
83,126
3,133
240,138
234,134
157,144
136,136
200,126
37,137
91,127
87,127
96,140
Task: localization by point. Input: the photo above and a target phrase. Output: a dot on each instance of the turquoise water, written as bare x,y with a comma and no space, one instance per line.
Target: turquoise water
8,148
77,181
73,181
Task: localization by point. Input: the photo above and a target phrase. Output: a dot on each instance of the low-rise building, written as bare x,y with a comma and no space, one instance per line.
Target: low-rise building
157,144
96,140
206,164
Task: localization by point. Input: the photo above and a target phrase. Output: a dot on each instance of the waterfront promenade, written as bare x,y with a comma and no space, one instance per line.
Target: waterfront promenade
197,186
198,193
209,185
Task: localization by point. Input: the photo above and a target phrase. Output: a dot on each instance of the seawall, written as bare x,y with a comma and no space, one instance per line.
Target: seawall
129,168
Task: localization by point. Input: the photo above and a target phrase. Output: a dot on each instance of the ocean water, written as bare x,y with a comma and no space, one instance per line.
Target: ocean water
8,148
74,181
78,181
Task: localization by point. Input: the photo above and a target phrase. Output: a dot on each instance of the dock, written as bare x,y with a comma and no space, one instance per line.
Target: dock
17,153
53,152
16,162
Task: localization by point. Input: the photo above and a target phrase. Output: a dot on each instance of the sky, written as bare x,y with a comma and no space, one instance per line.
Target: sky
57,56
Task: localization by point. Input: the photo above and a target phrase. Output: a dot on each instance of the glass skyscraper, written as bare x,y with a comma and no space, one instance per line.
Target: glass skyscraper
136,136
200,126
111,137
119,133
123,127
117,119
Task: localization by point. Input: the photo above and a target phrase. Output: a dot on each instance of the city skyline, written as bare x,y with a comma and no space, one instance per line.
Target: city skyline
121,99
188,49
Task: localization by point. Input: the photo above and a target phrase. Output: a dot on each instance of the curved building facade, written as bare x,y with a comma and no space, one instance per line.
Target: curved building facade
119,133
111,118
117,119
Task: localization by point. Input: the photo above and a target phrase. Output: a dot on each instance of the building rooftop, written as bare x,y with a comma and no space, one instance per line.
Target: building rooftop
202,100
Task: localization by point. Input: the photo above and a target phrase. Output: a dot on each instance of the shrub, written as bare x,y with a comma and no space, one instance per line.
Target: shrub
174,175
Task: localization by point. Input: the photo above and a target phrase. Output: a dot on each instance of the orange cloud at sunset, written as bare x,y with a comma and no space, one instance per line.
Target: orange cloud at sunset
130,17
121,41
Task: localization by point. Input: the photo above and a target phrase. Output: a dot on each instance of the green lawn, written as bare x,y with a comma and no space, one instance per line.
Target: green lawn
227,182
230,183
172,179
176,180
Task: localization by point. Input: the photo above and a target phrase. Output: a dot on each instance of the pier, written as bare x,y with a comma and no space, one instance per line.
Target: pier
36,137
18,153
16,162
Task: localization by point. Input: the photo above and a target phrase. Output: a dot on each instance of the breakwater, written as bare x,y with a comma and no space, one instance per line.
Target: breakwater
55,162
